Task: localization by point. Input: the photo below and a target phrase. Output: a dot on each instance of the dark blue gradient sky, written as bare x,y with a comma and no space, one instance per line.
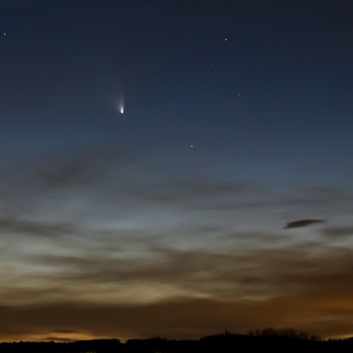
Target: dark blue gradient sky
238,120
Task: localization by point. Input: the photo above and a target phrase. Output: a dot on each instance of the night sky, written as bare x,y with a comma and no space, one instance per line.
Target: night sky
175,168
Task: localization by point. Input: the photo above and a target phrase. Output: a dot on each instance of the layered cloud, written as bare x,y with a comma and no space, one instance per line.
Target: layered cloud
101,243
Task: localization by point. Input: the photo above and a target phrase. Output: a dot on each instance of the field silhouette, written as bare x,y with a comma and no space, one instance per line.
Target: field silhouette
268,340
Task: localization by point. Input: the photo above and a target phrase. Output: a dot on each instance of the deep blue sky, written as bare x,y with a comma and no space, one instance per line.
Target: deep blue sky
64,66
239,118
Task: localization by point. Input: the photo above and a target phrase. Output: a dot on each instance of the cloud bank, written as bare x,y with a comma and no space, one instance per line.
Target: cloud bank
101,243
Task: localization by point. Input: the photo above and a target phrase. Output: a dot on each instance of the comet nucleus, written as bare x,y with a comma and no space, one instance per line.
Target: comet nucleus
120,105
121,108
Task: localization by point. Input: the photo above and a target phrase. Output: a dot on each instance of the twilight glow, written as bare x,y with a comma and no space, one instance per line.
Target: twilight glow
224,201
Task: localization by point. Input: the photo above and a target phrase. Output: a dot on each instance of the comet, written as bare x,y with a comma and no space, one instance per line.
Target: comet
121,109
121,105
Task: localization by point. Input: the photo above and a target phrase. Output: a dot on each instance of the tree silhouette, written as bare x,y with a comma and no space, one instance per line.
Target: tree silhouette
269,340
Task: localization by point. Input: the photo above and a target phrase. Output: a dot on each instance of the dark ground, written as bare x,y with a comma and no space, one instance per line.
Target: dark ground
264,341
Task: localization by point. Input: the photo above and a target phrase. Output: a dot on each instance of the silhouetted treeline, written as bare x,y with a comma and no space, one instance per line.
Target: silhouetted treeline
288,341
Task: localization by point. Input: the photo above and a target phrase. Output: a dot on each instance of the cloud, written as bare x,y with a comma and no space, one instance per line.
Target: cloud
177,318
86,166
260,273
104,239
35,228
190,292
340,232
303,223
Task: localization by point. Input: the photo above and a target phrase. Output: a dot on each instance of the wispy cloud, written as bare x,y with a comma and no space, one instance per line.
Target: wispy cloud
82,237
338,232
